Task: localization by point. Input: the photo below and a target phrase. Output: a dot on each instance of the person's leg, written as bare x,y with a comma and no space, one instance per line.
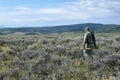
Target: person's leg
88,56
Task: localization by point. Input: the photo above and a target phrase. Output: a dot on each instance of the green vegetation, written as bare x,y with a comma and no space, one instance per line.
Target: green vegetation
58,57
60,29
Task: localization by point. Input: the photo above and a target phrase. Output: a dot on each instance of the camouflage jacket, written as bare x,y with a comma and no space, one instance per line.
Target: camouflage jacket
88,40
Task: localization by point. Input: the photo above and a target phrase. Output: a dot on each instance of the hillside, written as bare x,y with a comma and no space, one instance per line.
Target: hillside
63,28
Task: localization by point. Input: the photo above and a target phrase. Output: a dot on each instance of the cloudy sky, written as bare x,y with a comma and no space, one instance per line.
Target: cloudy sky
20,13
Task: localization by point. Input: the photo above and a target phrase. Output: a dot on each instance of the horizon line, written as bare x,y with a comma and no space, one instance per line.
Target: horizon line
54,25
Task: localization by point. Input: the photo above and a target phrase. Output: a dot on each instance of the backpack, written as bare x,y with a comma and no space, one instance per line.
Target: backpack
93,36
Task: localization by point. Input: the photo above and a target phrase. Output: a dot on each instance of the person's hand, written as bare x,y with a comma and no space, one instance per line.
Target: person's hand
83,48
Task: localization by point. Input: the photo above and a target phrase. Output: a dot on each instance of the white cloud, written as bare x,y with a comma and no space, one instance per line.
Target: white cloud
95,8
52,11
3,8
21,8
79,10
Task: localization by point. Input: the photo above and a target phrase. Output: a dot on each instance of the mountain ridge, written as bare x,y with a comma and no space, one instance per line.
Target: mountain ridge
64,28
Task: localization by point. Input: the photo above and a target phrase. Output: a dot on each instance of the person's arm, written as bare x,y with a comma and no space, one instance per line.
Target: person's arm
84,41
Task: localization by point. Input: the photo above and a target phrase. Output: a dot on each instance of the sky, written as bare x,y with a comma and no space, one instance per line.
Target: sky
40,13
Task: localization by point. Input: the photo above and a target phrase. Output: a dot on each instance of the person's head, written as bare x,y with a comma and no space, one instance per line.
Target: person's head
87,29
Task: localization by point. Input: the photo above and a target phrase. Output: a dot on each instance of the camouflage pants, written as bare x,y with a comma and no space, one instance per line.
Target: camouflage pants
88,56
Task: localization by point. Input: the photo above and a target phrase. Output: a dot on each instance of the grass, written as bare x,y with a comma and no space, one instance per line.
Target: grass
54,56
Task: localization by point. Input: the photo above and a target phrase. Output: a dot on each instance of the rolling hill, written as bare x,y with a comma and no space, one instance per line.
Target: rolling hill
63,28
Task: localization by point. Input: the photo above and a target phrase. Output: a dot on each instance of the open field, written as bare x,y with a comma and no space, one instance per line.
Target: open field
58,57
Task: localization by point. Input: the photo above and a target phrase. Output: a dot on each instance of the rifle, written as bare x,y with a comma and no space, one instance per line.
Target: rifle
94,40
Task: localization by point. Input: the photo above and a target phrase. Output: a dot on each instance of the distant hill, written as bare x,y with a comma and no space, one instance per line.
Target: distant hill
63,28
2,26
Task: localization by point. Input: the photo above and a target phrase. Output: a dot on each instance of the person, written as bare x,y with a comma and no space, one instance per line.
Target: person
88,44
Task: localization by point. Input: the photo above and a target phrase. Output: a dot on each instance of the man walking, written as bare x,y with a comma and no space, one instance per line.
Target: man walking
88,45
